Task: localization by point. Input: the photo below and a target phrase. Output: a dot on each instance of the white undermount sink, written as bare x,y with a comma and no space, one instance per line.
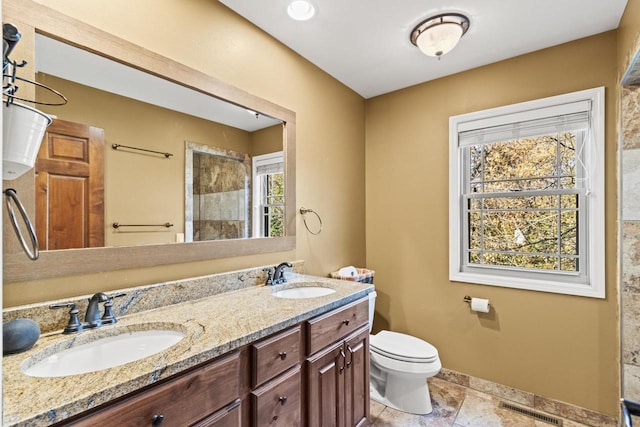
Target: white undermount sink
103,353
303,292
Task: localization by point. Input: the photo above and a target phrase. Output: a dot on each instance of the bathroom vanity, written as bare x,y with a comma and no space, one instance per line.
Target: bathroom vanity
248,358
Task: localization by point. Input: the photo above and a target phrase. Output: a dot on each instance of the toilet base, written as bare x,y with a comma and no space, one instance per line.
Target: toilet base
409,395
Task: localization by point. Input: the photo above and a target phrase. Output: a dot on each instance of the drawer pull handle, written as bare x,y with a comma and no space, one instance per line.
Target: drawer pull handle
283,400
344,358
157,420
283,355
346,322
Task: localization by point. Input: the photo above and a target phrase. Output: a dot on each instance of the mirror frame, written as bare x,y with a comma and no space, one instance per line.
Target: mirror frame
32,16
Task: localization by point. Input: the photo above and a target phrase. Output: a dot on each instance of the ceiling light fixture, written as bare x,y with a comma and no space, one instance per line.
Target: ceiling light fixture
301,10
439,34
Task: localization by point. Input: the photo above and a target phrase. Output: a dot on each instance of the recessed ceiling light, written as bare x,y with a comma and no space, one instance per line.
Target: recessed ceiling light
301,10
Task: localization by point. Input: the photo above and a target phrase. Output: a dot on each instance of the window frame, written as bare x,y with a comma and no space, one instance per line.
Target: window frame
593,282
257,161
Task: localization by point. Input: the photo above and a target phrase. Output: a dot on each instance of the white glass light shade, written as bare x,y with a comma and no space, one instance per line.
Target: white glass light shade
439,39
301,10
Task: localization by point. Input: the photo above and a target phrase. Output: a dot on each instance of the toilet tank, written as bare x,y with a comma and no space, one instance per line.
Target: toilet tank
372,307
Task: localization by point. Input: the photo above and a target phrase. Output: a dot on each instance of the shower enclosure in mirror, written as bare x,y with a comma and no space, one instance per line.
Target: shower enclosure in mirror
139,99
217,193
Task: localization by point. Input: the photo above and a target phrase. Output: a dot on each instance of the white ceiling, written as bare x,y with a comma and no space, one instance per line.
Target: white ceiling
365,43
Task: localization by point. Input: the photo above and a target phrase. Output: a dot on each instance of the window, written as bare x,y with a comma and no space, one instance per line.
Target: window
268,195
527,195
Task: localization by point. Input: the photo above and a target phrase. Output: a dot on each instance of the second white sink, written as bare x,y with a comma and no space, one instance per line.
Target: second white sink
103,353
303,292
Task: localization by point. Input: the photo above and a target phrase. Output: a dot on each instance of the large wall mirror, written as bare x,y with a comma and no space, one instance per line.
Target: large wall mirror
191,168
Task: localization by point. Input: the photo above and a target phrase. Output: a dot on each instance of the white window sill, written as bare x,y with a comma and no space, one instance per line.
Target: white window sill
552,286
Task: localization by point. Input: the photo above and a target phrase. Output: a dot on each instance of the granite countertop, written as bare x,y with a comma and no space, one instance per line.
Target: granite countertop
213,325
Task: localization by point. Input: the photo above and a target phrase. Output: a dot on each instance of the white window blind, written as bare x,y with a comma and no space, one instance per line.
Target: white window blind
269,168
526,124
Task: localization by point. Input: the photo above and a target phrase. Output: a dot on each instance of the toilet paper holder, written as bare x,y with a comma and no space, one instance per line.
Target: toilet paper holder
478,305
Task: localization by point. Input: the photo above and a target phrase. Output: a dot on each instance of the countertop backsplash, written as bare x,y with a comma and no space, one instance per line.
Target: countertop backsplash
146,297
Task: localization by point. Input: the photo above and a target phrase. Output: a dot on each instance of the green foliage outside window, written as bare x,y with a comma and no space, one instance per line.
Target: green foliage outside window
522,203
274,205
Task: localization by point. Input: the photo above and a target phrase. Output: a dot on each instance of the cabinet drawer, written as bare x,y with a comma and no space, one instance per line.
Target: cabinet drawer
275,355
277,403
330,327
227,417
181,402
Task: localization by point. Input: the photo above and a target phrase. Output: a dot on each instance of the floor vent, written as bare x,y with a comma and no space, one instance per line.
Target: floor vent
533,414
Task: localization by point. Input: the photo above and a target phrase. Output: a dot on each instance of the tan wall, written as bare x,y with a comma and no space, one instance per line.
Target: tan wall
558,346
142,188
209,37
268,140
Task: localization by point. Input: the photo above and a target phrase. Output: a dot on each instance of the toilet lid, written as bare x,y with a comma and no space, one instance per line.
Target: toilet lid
403,347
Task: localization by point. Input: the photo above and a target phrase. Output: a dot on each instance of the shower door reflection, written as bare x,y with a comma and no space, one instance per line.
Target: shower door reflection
218,194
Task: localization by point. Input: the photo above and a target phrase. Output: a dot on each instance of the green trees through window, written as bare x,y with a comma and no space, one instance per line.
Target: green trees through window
522,202
273,204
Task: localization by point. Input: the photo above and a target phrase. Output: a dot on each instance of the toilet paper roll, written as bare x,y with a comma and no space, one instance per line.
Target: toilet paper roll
481,305
349,271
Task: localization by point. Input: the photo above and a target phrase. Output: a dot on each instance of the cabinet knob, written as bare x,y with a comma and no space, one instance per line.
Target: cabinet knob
157,420
283,355
283,400
346,322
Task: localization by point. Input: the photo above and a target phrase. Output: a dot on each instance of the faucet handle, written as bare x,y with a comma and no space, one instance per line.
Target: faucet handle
118,295
108,316
270,271
74,324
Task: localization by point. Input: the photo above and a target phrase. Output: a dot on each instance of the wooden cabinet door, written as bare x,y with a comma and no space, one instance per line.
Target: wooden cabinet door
325,395
357,379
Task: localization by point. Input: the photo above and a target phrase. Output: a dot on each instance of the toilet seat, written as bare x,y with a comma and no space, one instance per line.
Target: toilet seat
402,348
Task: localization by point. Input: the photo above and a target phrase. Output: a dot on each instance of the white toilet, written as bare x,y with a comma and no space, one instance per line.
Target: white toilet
400,366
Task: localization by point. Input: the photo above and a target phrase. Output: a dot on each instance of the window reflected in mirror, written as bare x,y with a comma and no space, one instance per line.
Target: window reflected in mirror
268,205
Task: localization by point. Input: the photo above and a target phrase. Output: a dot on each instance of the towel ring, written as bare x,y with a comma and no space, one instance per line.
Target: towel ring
11,195
303,212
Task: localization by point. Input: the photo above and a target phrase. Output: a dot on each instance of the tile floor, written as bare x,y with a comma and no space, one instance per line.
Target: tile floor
457,406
